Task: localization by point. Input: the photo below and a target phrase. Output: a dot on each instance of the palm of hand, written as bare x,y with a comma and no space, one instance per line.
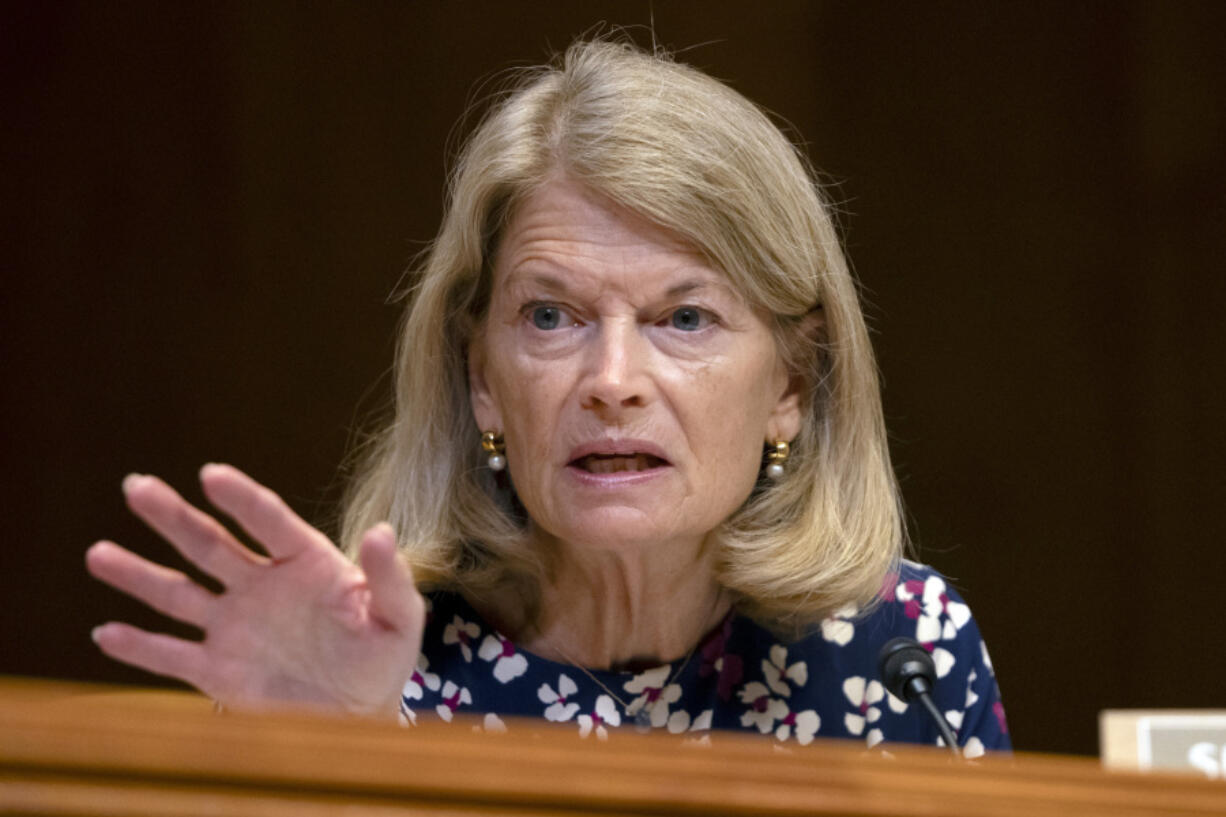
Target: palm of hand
321,643
303,628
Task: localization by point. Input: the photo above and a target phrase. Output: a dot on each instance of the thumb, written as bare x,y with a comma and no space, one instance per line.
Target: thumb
394,599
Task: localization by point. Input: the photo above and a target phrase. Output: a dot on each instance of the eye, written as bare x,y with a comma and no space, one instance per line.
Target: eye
546,317
689,319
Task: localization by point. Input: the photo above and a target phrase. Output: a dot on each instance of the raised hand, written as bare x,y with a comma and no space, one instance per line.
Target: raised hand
301,627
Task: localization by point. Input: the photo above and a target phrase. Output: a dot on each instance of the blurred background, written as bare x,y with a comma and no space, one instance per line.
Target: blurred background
206,207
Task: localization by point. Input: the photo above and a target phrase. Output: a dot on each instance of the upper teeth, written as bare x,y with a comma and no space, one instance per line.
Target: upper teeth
613,463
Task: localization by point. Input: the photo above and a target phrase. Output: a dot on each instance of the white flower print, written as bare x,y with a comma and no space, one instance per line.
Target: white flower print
648,686
971,695
944,660
453,698
491,723
649,679
763,710
559,708
462,632
776,670
605,712
679,721
873,737
974,748
838,628
804,724
420,680
508,664
864,695
407,716
938,616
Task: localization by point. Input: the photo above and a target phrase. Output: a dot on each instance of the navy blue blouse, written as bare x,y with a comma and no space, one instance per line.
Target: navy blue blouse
740,677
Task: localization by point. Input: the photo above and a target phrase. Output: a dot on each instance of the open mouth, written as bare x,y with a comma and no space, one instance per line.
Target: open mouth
616,463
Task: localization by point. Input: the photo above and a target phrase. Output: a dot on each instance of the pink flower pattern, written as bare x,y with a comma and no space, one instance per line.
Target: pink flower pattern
780,676
559,708
865,698
761,709
603,715
453,698
420,680
802,725
653,694
508,664
840,627
462,632
728,667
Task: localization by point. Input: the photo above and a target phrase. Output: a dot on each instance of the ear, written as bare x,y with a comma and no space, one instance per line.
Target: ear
786,416
485,407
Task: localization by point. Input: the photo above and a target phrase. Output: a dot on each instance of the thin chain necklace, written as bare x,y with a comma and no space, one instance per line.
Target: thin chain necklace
642,716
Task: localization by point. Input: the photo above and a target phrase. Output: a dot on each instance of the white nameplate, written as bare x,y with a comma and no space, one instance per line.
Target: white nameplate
1174,740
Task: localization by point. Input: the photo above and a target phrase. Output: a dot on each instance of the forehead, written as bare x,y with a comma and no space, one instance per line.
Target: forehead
565,233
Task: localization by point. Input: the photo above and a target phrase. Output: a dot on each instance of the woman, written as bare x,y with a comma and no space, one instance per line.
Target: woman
638,461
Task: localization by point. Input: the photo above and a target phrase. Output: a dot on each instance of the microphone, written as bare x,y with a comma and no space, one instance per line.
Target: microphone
908,673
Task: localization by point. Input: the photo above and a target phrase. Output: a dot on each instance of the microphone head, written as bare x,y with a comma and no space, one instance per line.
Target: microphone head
906,668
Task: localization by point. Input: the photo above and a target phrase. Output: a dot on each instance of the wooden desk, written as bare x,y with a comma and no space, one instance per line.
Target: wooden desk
73,750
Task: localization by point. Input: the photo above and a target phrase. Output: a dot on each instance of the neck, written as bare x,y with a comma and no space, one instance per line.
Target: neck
620,608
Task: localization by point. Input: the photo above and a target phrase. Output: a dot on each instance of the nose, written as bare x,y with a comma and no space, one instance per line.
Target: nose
617,378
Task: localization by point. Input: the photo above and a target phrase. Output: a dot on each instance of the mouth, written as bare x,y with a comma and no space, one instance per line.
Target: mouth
617,463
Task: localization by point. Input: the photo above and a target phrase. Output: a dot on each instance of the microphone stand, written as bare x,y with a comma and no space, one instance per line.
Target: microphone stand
908,673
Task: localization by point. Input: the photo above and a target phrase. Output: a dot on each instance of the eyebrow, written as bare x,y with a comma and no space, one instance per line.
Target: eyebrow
539,279
686,287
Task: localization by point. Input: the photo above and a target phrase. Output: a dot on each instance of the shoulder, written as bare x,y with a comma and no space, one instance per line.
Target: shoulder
841,658
926,606
915,602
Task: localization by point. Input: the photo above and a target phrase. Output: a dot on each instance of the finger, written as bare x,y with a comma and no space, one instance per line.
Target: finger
394,599
157,653
165,590
260,511
199,537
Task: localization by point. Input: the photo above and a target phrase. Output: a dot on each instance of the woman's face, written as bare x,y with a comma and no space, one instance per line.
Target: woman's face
633,385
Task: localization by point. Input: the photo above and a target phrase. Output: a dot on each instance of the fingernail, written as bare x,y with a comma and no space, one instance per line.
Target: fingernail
93,634
384,531
129,482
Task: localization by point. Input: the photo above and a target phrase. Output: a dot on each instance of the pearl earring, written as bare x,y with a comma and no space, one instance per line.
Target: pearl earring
492,444
777,458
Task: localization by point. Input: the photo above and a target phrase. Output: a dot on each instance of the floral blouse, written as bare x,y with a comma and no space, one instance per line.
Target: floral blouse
740,677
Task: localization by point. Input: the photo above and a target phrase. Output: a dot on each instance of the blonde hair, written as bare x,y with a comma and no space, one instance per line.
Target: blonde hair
686,151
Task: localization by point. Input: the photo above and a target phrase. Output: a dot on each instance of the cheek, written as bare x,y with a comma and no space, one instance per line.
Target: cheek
727,419
528,396
755,410
737,398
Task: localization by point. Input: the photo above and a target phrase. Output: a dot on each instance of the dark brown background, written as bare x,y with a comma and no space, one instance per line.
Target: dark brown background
206,207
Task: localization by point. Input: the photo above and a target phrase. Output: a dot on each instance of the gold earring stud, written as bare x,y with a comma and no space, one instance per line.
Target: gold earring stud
492,444
778,457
